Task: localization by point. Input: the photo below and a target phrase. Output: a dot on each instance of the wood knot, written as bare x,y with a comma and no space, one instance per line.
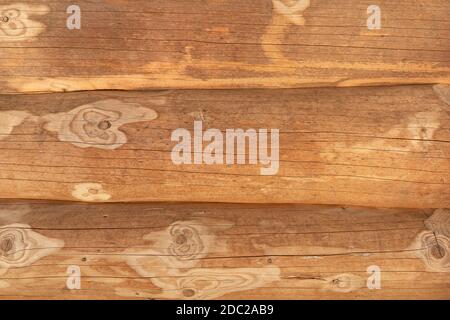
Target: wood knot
11,242
345,283
433,249
98,124
439,222
188,293
90,192
93,191
181,239
342,282
6,245
186,243
15,24
20,246
95,125
437,252
104,125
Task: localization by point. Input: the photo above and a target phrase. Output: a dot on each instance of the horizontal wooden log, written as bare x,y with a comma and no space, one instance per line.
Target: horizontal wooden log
221,44
377,146
227,251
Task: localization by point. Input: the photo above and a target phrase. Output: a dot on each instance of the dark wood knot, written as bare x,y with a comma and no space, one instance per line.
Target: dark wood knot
6,245
437,251
188,293
104,125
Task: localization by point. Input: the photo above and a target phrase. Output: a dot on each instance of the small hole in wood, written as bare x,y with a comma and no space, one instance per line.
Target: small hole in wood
5,19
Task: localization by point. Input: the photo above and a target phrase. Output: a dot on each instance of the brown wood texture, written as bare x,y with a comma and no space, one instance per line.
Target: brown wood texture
377,146
226,251
225,44
87,179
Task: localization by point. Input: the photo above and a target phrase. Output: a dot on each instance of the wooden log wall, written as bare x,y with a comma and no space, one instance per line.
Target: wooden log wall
357,184
381,147
144,44
208,251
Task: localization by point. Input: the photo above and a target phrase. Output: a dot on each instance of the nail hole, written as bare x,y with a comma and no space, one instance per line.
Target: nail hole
5,19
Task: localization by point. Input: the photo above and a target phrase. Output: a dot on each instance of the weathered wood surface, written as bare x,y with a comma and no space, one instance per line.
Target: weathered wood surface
228,251
377,146
221,44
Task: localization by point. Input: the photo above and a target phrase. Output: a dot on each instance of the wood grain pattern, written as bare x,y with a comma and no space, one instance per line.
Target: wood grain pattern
144,44
361,185
381,147
227,251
